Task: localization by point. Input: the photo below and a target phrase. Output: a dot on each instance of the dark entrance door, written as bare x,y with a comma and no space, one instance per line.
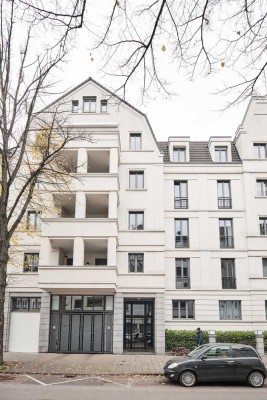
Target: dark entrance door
139,325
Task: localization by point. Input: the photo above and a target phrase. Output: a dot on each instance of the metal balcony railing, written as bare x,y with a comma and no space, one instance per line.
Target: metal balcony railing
182,241
224,202
183,282
226,242
228,283
180,202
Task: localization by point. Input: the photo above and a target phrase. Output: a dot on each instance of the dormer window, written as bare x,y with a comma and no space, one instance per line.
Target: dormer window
104,106
221,154
260,150
75,106
179,154
89,104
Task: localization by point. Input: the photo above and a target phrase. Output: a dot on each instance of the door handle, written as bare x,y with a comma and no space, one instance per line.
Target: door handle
230,362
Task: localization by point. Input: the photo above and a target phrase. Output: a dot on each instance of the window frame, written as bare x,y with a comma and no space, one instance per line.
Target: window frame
74,106
180,202
135,135
219,150
229,278
34,266
184,242
225,243
28,307
90,100
178,301
178,150
224,202
135,255
264,219
184,279
264,267
261,187
37,220
136,173
227,303
258,146
136,220
102,102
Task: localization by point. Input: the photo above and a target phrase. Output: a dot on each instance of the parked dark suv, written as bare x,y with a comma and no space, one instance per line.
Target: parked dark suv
218,362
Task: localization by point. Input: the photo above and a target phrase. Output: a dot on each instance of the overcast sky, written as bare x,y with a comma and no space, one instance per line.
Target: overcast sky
195,111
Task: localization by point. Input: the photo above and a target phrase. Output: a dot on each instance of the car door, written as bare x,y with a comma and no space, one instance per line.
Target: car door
246,359
217,364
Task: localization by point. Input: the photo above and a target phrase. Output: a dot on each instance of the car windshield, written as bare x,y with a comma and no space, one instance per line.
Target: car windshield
195,353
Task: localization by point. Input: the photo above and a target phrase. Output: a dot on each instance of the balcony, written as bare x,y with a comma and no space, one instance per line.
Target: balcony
228,283
226,242
181,241
68,279
180,202
224,202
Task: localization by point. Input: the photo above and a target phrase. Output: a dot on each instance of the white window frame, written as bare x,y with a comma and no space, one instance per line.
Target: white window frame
179,154
136,220
135,147
90,100
136,173
261,187
218,151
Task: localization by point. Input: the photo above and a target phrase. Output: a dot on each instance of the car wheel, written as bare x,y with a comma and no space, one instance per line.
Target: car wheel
256,379
188,378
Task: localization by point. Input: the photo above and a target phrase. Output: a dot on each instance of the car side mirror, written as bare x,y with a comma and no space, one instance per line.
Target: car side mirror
203,357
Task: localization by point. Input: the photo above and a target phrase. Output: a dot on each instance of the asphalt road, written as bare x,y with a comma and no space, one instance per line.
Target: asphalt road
70,387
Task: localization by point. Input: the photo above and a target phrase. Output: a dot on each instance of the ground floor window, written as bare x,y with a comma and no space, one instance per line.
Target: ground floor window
230,309
26,303
183,309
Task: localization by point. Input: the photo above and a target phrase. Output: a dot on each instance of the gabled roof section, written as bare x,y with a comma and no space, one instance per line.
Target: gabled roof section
90,79
199,153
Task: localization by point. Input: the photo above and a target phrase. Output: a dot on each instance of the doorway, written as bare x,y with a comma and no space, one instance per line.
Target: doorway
139,325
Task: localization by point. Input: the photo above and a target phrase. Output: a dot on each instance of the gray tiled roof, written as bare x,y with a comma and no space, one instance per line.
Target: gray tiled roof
199,152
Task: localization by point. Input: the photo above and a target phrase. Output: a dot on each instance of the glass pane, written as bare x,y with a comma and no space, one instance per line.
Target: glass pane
93,106
138,309
66,302
132,180
109,303
132,221
88,303
140,221
86,106
55,302
140,180
35,303
98,303
76,302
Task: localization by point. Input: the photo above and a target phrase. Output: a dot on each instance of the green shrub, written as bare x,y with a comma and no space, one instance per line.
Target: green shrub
187,339
183,338
244,337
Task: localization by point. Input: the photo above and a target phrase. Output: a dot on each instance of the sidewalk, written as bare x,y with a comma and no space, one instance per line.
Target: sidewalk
87,364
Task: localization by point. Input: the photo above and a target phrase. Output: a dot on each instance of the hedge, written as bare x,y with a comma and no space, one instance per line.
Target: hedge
244,337
265,341
187,339
183,338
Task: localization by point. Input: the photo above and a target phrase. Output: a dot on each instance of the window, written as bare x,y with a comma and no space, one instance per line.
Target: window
230,309
26,303
226,233
224,194
220,153
75,105
136,262
179,154
136,180
262,188
228,273
181,233
263,225
33,220
243,352
135,141
183,309
89,104
136,220
218,351
180,194
264,267
104,106
260,150
31,262
182,273
101,261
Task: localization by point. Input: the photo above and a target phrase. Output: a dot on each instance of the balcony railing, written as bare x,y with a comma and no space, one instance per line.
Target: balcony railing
180,202
226,242
224,202
182,241
183,282
228,283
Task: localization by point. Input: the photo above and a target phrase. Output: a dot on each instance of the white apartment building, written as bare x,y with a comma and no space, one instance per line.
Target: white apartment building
152,236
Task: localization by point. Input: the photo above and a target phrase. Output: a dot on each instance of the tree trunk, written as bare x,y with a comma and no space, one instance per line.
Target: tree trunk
4,245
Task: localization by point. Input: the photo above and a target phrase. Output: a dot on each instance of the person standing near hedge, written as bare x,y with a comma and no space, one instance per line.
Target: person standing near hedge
199,337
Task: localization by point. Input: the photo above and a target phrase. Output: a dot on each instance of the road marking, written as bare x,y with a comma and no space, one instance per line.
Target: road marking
71,380
36,380
115,383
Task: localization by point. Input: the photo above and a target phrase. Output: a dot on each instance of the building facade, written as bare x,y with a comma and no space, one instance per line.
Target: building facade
151,236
